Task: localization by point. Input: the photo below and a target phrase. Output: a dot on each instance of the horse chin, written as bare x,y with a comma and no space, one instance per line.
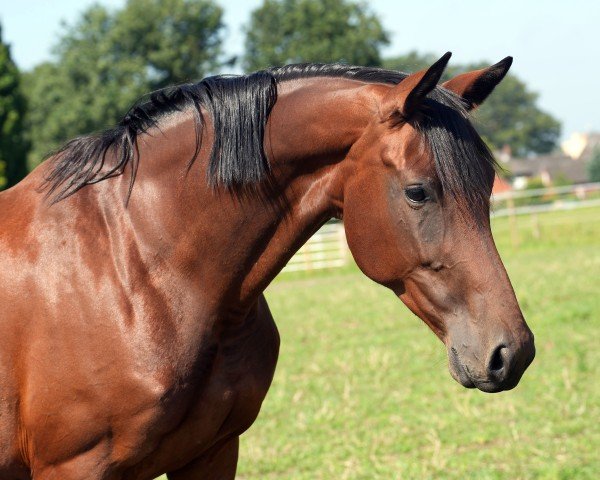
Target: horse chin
489,387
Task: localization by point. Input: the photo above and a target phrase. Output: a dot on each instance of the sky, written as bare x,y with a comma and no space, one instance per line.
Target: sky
555,44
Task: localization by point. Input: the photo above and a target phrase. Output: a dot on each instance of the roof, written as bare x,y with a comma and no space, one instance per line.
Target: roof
554,165
500,185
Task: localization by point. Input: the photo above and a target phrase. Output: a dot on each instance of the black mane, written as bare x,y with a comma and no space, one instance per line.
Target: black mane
239,107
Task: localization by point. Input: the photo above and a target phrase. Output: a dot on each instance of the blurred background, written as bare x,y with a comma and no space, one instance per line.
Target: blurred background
362,390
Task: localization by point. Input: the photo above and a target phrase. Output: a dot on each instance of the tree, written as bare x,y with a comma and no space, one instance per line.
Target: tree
510,116
108,59
13,147
593,167
293,31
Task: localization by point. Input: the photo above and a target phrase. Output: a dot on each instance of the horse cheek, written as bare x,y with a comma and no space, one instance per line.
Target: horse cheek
372,233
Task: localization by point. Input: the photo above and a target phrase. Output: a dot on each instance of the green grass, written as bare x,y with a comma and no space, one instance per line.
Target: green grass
362,389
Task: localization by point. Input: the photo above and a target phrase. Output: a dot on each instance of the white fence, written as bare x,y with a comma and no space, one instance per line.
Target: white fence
521,202
328,248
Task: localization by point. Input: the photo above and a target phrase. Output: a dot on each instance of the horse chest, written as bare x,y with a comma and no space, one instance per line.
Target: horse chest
224,403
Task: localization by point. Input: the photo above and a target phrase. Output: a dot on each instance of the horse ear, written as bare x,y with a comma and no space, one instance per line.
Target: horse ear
474,87
406,97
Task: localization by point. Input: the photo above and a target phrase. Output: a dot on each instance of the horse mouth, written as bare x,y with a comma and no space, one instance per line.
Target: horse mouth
461,373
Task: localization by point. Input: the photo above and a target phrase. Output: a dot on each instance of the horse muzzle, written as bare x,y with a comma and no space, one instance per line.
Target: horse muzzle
491,369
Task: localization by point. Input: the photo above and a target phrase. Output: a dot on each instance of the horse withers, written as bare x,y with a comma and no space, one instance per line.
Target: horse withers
134,336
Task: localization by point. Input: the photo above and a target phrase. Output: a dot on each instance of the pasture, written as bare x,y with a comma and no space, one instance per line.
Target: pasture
362,389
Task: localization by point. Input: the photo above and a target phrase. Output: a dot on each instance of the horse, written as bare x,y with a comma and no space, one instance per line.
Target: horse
135,339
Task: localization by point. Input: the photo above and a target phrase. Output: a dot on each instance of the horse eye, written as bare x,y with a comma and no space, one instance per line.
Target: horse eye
416,194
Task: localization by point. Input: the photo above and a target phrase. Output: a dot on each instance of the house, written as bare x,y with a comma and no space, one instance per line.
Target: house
552,168
581,145
569,164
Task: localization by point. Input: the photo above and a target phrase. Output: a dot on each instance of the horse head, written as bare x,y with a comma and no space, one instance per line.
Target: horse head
417,218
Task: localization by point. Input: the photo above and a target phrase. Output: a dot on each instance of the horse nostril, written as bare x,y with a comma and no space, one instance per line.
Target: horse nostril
498,360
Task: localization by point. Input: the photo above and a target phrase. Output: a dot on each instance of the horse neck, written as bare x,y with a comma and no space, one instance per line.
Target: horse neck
311,128
241,240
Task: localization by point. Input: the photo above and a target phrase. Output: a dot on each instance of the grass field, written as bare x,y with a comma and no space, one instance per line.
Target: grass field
362,390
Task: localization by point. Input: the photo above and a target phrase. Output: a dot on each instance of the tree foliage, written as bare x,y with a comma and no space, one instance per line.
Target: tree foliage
510,116
13,147
593,167
108,59
293,31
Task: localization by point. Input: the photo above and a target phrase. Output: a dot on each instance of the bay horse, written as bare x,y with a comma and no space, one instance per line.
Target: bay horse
135,339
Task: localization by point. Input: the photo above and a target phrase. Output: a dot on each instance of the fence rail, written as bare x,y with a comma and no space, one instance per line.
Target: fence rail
328,248
521,202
